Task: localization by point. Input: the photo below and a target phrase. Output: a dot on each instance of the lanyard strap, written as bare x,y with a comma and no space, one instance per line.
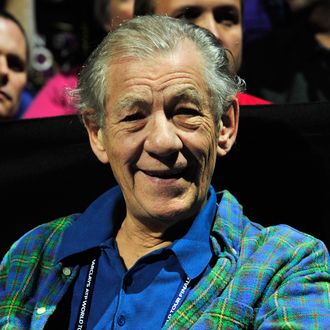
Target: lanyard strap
178,299
85,304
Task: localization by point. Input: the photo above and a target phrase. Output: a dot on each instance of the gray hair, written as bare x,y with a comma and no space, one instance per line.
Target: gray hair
144,38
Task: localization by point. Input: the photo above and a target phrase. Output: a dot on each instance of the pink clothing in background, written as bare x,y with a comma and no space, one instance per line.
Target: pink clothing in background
53,99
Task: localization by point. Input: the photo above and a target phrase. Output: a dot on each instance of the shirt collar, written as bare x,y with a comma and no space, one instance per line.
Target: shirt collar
96,225
92,227
194,250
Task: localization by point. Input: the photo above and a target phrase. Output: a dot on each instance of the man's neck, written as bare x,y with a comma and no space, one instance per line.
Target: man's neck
135,240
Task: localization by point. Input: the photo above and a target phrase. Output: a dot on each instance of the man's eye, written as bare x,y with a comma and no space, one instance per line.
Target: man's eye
133,117
189,13
226,16
191,112
15,63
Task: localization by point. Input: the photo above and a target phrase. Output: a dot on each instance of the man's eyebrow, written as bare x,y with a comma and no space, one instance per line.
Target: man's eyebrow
188,94
130,101
136,101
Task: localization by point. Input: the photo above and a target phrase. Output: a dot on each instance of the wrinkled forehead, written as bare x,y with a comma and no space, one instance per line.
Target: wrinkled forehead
165,71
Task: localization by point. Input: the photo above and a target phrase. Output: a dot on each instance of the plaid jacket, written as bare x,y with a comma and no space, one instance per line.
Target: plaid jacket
263,278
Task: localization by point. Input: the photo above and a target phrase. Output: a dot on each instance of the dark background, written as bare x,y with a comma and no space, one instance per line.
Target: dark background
279,169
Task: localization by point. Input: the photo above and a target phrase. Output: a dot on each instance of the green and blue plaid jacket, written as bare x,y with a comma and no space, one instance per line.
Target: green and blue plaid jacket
263,278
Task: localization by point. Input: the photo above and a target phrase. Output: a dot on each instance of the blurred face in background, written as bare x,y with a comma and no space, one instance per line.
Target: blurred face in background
119,12
222,17
13,67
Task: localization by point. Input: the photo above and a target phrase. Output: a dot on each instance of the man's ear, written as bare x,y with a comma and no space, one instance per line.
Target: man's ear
96,140
228,128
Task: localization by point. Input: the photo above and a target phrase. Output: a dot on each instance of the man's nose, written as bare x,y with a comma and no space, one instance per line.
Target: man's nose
4,74
162,139
208,22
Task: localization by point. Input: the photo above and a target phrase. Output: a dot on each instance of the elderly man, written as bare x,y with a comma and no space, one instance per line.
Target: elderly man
13,68
221,17
162,249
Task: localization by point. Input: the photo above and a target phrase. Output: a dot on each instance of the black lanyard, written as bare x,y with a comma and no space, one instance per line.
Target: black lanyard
85,304
83,314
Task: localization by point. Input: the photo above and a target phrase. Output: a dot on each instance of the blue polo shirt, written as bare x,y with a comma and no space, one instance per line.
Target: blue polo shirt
144,296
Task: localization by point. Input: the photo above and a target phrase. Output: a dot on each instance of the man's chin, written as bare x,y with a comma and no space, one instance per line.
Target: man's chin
172,210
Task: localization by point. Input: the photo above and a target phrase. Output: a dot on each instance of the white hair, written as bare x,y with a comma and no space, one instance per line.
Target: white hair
146,37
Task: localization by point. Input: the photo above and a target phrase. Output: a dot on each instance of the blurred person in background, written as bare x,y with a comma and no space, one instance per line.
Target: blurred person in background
53,99
291,63
222,17
14,57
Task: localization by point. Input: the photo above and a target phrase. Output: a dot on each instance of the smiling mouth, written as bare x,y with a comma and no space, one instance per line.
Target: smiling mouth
167,174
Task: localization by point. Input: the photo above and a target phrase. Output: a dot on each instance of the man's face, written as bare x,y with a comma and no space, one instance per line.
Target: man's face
13,73
222,17
160,136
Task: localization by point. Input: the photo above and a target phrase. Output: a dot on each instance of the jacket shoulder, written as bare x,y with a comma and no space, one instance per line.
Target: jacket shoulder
282,236
40,241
